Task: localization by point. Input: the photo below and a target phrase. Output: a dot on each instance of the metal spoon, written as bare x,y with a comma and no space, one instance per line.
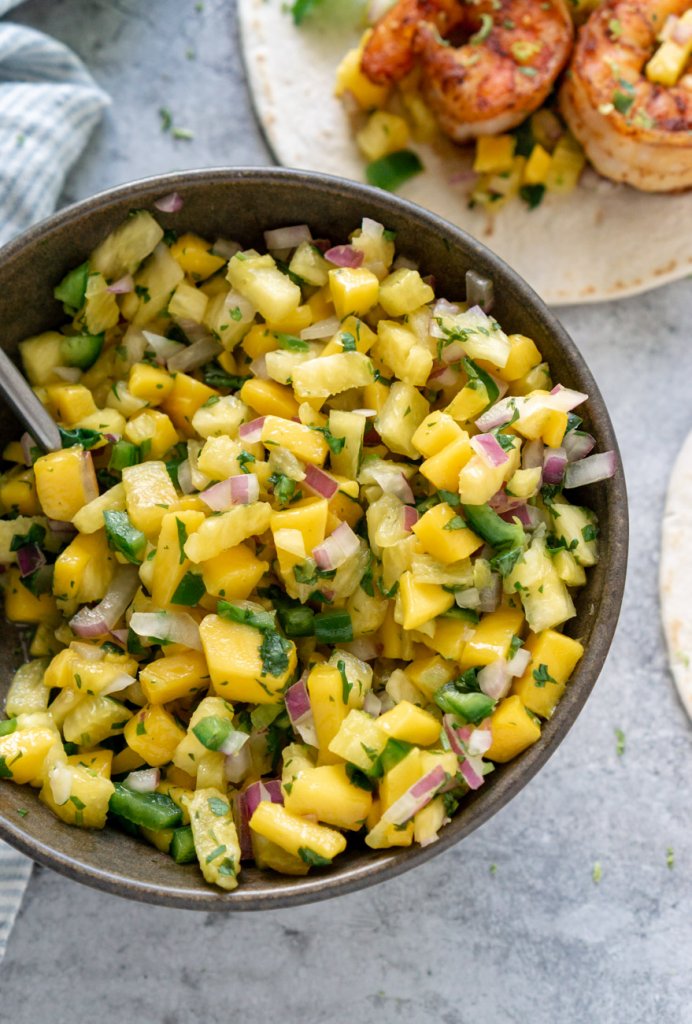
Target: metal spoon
26,406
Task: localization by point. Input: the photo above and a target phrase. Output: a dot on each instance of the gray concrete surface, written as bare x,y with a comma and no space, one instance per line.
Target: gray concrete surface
458,941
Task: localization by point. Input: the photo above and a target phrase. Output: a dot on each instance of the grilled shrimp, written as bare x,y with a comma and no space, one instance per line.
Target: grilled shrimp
485,66
632,130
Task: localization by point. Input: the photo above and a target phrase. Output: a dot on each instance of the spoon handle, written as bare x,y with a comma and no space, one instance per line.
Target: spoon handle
26,406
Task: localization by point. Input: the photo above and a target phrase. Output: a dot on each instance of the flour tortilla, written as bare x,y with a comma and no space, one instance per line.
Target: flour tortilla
603,241
676,574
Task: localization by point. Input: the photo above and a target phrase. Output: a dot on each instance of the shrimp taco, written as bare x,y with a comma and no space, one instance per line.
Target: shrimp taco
498,116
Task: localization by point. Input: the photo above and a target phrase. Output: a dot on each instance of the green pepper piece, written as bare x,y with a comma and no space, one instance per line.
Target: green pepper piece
150,810
72,289
81,350
333,627
182,848
484,521
8,726
389,172
124,537
298,621
189,590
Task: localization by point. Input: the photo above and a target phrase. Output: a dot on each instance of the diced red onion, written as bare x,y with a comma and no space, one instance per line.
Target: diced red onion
122,286
451,353
393,481
565,399
480,290
416,797
341,545
368,413
489,449
260,792
88,652
287,238
369,227
442,376
234,743
364,647
682,32
320,482
121,682
27,442
532,455
238,765
226,248
197,354
235,490
404,263
60,526
185,477
258,368
554,465
60,782
480,741
170,203
519,662
143,781
241,819
322,329
300,712
120,636
30,558
469,598
490,595
344,256
591,470
163,348
175,627
520,511
473,778
103,617
463,177
251,432
578,445
495,679
502,502
71,374
497,415
372,704
410,517
444,308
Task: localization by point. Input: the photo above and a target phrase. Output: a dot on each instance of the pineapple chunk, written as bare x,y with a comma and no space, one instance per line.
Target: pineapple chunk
126,247
224,416
435,432
40,355
27,692
95,719
401,415
194,256
154,734
170,563
215,837
188,303
303,442
89,795
101,310
23,752
398,347
382,134
185,398
150,383
330,375
403,292
227,530
190,752
153,432
351,79
261,282
89,519
154,283
149,492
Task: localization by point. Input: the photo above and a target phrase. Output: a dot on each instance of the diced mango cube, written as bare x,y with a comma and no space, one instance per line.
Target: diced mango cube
442,469
234,573
153,733
407,722
444,534
354,290
65,481
554,657
421,602
513,730
244,664
327,793
296,835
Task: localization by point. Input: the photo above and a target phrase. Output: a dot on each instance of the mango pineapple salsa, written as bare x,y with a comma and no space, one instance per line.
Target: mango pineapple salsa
300,572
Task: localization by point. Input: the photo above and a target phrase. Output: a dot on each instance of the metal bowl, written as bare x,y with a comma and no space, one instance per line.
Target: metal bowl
241,203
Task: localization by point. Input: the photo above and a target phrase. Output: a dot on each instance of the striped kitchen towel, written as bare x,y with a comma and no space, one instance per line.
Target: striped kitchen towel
49,103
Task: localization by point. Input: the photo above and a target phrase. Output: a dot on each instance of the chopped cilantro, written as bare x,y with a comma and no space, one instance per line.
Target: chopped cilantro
346,686
182,538
542,676
217,806
315,860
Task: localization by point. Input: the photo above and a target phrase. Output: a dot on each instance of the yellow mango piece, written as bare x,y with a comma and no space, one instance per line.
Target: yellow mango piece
174,677
150,383
295,834
395,641
553,659
65,481
23,751
354,290
492,637
89,519
328,708
327,793
83,571
126,761
421,602
268,398
399,348
237,668
71,402
215,837
218,533
363,337
383,133
23,606
494,154
468,404
170,564
445,544
449,637
304,443
537,166
99,761
153,733
18,492
309,517
149,492
513,730
193,255
442,469
406,721
184,399
395,783
234,573
350,79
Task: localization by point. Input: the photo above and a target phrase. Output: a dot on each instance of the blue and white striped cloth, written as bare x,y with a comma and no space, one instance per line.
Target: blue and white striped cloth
49,104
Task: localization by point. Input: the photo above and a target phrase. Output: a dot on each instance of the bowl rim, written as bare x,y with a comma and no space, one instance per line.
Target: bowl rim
288,891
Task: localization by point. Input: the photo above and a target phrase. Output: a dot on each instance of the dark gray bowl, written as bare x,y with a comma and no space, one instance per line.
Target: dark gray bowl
240,204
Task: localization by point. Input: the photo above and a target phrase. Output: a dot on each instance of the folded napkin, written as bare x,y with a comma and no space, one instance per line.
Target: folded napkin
49,103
